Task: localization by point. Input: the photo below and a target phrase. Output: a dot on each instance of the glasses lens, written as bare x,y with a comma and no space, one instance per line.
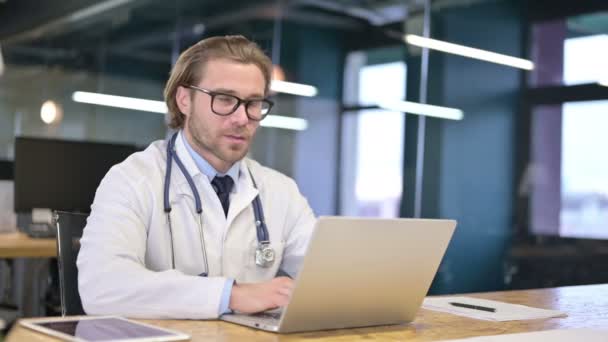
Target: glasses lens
257,109
266,107
224,104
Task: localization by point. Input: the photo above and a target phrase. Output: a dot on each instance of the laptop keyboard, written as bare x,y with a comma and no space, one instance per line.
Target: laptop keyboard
268,315
269,319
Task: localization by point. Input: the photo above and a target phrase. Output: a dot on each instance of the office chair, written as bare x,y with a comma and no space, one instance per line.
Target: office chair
69,231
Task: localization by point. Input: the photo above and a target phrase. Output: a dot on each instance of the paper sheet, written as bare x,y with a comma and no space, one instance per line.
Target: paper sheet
560,335
503,312
8,220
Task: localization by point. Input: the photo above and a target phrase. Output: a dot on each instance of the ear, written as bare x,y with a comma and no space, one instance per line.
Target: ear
184,103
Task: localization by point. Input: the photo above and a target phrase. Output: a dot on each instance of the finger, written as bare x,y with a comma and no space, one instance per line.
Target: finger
284,291
290,285
283,280
281,300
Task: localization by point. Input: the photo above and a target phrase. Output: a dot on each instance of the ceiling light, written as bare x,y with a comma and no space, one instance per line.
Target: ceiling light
465,51
277,73
120,102
161,108
293,88
285,122
50,112
422,109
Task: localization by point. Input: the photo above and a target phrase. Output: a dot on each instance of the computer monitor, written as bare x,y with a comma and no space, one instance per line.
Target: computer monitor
60,174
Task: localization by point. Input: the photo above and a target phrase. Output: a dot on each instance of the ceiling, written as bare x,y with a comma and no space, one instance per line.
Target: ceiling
25,19
141,38
86,33
152,31
588,24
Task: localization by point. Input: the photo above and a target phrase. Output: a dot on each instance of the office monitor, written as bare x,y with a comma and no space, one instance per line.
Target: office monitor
61,174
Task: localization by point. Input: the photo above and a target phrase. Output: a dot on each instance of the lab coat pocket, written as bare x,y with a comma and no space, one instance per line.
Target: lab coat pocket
255,273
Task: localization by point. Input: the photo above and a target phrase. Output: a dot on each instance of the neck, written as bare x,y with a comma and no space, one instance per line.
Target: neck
218,164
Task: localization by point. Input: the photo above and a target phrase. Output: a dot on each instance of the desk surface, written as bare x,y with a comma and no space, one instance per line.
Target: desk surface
19,245
587,307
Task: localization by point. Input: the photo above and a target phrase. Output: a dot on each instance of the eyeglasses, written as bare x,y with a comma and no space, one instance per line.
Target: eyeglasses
226,104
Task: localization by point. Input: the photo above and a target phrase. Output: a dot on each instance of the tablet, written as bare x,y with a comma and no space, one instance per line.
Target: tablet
101,328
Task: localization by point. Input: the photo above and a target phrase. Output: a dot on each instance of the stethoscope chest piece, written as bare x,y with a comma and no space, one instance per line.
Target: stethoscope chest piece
264,255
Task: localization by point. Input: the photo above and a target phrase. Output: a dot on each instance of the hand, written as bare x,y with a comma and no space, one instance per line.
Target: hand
256,297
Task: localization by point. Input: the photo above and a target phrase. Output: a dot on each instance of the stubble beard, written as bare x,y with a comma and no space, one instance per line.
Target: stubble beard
228,153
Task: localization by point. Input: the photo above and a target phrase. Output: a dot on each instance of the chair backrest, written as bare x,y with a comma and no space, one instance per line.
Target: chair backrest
69,231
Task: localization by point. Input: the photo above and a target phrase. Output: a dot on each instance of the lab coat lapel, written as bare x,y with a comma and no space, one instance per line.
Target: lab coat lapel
243,198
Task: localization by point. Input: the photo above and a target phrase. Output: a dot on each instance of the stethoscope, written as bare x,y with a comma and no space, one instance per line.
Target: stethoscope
264,254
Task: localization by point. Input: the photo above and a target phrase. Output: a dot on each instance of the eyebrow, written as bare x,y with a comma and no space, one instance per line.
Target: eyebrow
232,92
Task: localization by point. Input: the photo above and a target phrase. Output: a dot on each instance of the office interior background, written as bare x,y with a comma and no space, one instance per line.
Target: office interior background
520,167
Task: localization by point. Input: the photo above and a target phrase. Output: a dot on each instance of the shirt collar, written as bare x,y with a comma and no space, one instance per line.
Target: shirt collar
208,170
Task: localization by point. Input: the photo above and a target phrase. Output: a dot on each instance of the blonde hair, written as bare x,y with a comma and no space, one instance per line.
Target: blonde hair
190,67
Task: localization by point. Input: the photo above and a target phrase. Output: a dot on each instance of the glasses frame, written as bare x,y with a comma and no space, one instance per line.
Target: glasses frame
239,101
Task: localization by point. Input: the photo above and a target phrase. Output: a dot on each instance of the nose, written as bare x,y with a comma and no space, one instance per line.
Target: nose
239,116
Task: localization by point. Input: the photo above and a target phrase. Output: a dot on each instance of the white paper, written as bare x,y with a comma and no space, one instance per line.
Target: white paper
560,335
8,220
503,312
42,215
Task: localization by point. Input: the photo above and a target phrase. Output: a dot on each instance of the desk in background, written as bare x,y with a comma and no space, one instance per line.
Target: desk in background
19,245
586,306
30,269
554,264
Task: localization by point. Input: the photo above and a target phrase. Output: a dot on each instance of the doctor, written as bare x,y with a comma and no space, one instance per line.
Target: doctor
190,228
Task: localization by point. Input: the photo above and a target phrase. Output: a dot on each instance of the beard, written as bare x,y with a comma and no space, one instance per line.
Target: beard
207,141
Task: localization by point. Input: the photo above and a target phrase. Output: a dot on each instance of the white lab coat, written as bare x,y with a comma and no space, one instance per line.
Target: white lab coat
124,263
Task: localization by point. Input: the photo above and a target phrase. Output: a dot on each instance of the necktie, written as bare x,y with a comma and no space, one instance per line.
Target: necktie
222,186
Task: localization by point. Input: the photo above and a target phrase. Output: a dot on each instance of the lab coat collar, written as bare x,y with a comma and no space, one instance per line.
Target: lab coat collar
188,162
206,168
239,200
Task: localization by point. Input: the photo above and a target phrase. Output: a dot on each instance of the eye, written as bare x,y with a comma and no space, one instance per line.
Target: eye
225,99
255,105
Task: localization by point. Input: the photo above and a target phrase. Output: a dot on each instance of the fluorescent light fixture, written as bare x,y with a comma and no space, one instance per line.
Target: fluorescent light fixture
465,51
285,122
422,109
1,62
120,102
97,9
160,107
293,88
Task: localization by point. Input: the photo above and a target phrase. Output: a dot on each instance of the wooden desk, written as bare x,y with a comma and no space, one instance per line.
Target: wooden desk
587,307
19,245
29,268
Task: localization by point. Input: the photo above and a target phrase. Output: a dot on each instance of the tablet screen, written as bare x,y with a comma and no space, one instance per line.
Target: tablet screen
105,329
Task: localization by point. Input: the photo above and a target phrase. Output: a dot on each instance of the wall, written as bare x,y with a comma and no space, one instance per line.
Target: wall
21,100
469,164
313,56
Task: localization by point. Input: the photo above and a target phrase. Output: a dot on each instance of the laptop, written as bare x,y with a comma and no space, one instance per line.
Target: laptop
360,272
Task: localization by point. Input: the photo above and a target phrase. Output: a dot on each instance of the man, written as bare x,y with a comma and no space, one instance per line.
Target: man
148,250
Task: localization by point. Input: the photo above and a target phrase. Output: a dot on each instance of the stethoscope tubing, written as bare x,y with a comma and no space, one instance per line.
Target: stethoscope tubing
260,224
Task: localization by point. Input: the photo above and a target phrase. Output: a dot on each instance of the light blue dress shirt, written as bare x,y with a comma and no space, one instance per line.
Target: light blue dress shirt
211,172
